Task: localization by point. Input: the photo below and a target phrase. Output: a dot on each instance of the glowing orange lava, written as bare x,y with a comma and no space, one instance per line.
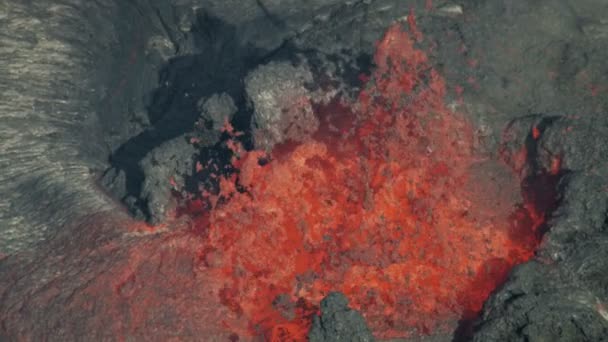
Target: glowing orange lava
381,204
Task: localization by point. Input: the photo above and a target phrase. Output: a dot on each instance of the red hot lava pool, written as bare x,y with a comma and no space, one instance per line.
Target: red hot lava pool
389,203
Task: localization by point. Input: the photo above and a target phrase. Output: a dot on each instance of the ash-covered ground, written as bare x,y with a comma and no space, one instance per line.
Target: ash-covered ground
112,112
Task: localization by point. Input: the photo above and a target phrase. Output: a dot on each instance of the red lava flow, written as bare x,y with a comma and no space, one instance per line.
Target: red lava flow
381,204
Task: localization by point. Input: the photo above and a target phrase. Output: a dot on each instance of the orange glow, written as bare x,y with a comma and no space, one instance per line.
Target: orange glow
380,204
556,165
535,133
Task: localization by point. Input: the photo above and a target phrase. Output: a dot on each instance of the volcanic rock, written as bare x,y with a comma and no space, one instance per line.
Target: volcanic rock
339,323
282,107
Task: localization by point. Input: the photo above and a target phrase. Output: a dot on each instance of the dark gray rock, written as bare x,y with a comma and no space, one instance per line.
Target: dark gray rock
549,303
66,84
339,323
164,170
217,109
562,295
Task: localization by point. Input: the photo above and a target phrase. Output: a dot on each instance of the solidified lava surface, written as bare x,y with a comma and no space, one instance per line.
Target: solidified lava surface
388,203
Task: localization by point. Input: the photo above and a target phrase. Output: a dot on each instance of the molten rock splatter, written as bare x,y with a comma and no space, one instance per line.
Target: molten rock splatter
385,203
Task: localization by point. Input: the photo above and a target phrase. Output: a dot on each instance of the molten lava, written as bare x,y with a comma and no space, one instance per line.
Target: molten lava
382,204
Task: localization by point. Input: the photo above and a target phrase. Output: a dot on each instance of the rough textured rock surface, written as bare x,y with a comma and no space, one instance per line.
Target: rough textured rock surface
562,295
282,104
66,78
166,165
217,110
338,322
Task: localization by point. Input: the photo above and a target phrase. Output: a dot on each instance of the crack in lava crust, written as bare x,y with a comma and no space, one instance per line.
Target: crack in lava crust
380,204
